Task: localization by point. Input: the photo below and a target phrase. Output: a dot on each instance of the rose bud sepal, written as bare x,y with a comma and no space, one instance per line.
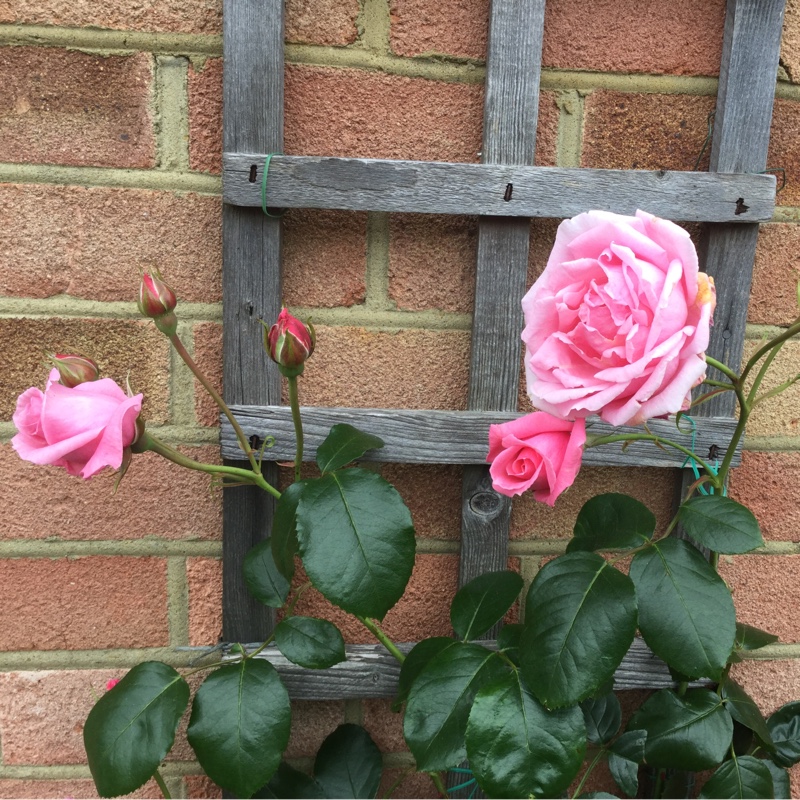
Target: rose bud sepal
158,301
289,343
74,369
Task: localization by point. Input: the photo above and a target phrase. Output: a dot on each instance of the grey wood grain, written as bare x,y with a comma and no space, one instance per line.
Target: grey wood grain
456,437
371,672
252,120
362,184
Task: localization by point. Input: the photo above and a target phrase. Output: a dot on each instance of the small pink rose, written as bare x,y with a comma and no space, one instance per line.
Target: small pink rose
536,452
112,682
82,428
618,322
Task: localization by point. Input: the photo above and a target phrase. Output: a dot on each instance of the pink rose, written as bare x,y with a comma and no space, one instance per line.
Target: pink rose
618,322
83,428
111,683
536,452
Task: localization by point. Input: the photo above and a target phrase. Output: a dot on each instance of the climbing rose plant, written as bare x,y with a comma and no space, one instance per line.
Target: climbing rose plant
616,328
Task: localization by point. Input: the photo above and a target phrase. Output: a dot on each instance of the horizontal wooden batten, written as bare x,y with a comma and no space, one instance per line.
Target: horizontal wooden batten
371,672
363,184
460,437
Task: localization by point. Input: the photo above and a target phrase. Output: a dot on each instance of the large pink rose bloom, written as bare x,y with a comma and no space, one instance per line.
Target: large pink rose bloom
537,452
618,322
83,429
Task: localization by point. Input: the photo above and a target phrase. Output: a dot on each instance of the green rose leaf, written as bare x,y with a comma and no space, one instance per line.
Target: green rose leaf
784,728
342,445
745,776
440,701
743,709
284,529
630,745
509,638
625,773
686,612
289,783
603,716
349,764
132,727
580,620
483,602
611,521
310,642
415,662
356,541
720,524
263,578
781,784
517,748
750,638
240,725
692,732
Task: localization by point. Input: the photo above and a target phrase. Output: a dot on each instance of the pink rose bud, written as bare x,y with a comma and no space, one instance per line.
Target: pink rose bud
537,452
112,683
74,369
158,301
83,428
289,343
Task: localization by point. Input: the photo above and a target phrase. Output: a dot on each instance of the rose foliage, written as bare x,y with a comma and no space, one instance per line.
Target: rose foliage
615,334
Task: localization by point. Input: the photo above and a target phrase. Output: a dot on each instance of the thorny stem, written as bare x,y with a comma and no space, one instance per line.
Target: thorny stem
378,633
756,357
162,785
190,362
438,783
150,442
589,769
298,425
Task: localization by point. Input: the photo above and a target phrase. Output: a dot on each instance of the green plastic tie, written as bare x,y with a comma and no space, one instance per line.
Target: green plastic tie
282,211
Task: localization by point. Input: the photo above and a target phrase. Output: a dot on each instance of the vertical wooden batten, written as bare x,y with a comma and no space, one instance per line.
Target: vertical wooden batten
251,283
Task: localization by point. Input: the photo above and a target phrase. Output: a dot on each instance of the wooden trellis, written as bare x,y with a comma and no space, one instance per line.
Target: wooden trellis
505,192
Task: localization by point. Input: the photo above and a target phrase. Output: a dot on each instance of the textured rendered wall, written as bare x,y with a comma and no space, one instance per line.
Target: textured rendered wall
109,162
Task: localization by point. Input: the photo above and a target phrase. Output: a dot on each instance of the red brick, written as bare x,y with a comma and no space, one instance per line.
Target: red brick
122,348
770,683
784,149
91,603
432,494
773,298
652,486
67,107
204,576
644,131
780,415
94,243
604,36
767,484
384,725
348,112
326,22
201,787
423,611
764,589
205,116
173,16
433,366
312,723
208,355
413,784
324,258
155,499
432,259
76,788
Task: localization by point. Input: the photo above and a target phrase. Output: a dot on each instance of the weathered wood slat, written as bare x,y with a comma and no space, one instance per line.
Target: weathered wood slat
454,437
751,47
361,184
252,120
371,672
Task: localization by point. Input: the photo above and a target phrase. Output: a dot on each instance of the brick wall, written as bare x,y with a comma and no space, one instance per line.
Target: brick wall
109,162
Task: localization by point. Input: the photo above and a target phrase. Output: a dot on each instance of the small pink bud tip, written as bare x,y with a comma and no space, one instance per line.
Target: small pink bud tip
155,297
289,342
74,369
112,683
